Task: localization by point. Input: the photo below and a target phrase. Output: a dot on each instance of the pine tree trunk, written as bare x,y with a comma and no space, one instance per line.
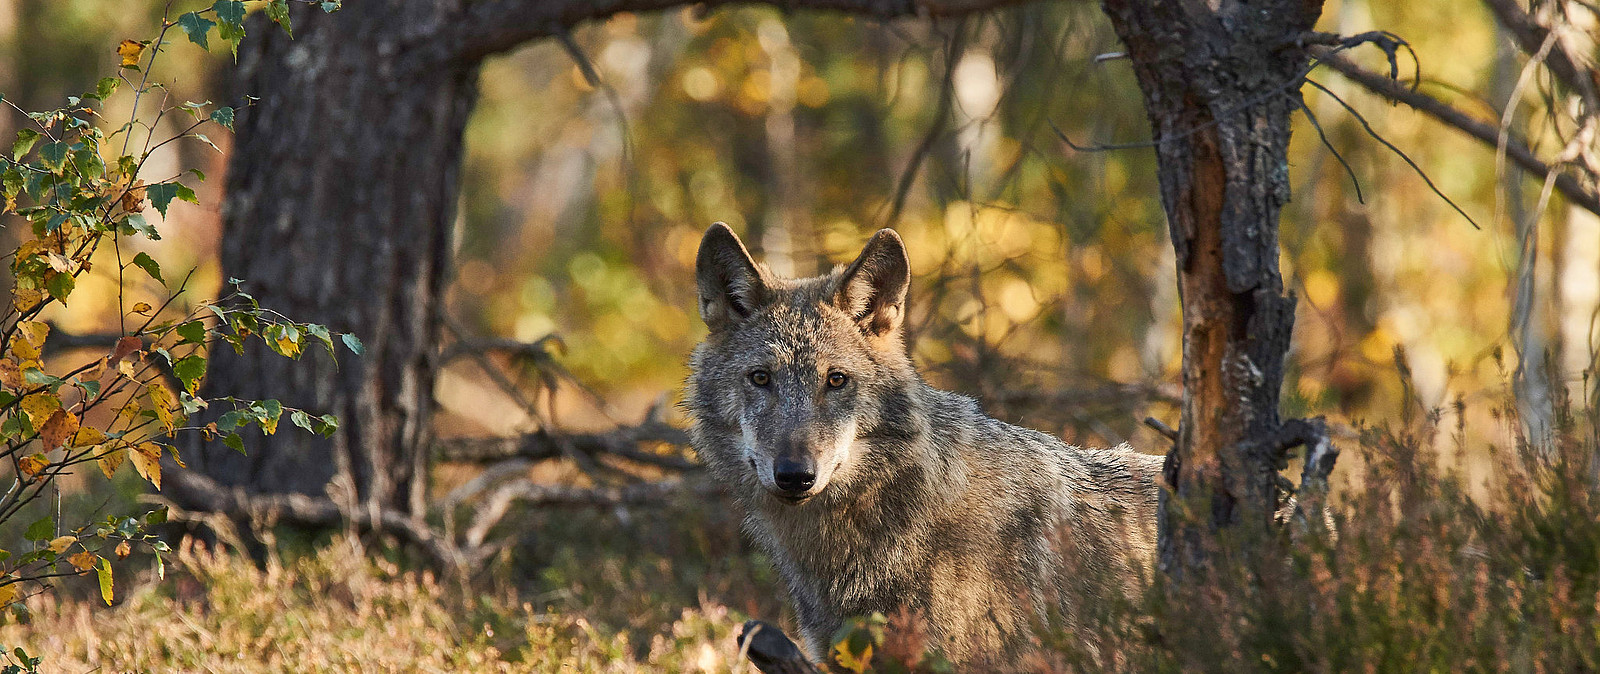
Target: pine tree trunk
341,195
1220,81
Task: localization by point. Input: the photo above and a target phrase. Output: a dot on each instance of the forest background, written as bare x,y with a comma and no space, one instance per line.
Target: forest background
1045,282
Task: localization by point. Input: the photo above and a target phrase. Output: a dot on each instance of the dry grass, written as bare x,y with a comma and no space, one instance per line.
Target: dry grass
1428,573
339,609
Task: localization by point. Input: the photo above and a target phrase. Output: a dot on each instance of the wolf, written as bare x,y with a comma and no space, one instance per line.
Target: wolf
873,491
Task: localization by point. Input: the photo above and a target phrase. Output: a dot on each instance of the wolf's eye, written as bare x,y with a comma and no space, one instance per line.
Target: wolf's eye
760,378
837,380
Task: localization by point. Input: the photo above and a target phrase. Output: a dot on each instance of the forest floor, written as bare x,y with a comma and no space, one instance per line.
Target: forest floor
646,591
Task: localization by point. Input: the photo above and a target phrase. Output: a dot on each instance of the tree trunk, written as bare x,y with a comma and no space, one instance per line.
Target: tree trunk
1220,81
341,195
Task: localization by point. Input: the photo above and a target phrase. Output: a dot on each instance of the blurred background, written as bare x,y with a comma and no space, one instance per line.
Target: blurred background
1044,275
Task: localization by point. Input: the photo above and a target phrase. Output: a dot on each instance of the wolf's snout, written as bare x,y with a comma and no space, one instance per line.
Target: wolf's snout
795,477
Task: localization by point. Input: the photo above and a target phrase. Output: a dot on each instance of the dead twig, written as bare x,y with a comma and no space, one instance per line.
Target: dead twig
1585,197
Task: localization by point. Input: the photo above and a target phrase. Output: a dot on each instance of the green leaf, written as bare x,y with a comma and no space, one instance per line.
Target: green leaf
230,12
353,343
149,265
271,411
12,182
106,86
233,32
331,7
301,419
189,370
193,332
25,140
223,116
41,530
60,286
230,420
234,36
330,424
157,516
278,11
89,163
197,27
233,440
39,377
136,223
104,571
54,156
161,194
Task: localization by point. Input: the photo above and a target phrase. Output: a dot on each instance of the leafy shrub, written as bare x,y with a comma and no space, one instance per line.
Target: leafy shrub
82,191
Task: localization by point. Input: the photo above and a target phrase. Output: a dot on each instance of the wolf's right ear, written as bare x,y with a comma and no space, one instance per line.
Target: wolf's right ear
873,288
730,285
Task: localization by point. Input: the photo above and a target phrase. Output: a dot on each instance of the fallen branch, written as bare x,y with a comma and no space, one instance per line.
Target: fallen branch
194,491
622,442
525,492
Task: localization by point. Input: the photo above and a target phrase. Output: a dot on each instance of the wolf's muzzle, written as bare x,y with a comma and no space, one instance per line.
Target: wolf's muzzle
794,477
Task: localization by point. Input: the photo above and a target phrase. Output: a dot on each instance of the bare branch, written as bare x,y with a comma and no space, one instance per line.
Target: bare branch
199,492
1373,133
1531,36
954,50
622,442
1517,149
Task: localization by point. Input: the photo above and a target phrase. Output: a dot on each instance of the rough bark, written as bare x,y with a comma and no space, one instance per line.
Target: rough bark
341,194
1220,81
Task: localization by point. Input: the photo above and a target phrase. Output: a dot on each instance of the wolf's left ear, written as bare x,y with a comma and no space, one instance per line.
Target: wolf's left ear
729,283
873,288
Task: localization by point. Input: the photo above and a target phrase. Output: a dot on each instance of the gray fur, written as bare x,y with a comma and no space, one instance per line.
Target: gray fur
922,501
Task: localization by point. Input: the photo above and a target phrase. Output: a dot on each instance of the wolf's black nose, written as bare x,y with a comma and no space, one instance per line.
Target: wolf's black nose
794,476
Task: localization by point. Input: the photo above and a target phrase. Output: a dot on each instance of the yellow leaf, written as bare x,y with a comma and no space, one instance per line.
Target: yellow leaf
40,406
60,544
123,550
129,412
60,426
84,561
147,460
127,369
111,460
130,51
34,331
288,347
142,308
31,465
10,374
852,661
87,436
26,298
24,351
164,404
8,594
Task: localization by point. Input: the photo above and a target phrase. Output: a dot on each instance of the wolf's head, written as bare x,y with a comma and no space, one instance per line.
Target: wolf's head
796,371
